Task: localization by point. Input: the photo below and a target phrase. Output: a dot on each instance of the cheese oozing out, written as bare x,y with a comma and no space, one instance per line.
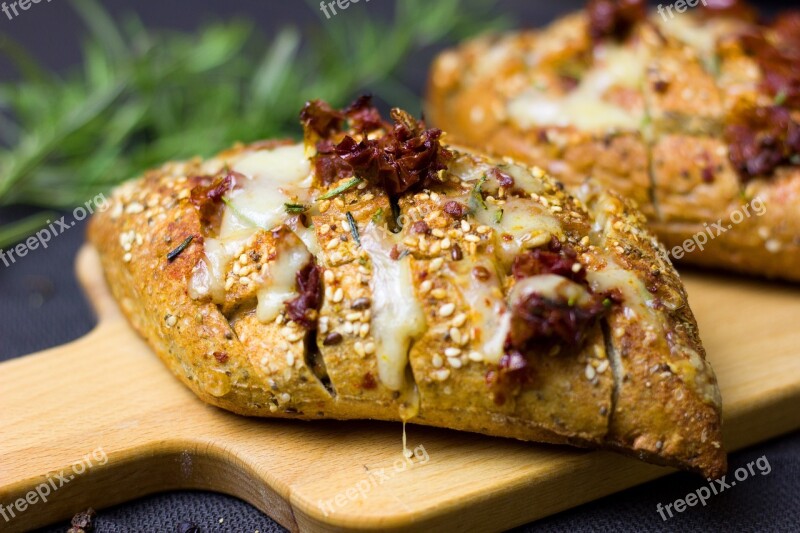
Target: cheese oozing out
397,316
272,178
279,285
529,225
489,315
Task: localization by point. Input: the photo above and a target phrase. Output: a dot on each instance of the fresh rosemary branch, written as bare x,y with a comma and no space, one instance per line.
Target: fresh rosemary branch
143,97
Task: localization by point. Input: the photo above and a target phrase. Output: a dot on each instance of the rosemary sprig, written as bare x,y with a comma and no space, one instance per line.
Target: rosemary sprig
353,228
295,209
344,187
144,96
179,250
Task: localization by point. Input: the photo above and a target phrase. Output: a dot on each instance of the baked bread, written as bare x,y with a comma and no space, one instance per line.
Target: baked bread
694,115
378,273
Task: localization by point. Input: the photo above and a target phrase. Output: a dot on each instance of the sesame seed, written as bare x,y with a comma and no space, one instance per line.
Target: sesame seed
127,257
290,359
338,296
476,356
369,348
359,348
244,281
333,243
363,331
576,267
437,361
590,372
447,310
295,337
336,257
446,243
459,320
483,229
425,286
324,205
171,320
436,264
348,327
452,352
465,227
328,276
472,238
442,374
455,334
439,294
455,362
437,233
286,397
602,366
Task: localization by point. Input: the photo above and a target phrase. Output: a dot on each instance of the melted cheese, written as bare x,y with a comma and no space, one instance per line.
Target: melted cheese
489,314
528,223
585,107
280,284
636,297
551,287
397,316
208,276
274,178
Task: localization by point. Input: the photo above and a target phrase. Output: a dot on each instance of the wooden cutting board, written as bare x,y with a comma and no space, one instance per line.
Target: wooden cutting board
107,393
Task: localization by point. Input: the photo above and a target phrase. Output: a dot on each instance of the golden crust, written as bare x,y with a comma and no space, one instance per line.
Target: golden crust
674,164
231,359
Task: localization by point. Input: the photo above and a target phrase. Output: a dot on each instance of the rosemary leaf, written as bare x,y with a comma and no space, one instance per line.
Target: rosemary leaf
353,228
179,250
341,189
295,208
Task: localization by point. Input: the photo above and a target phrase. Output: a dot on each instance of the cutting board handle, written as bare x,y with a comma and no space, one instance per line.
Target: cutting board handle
83,425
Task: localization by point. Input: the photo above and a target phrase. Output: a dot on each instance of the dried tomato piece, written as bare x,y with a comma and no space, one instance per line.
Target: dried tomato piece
320,118
762,139
304,309
614,18
407,155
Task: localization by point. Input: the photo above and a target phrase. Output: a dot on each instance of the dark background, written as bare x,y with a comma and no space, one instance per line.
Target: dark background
41,305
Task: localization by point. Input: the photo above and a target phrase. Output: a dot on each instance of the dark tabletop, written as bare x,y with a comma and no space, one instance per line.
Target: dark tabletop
42,306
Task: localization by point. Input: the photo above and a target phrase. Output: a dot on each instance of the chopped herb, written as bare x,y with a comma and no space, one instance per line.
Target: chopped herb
780,98
353,228
403,254
476,196
498,216
572,300
179,250
241,216
362,261
340,189
296,208
376,218
607,302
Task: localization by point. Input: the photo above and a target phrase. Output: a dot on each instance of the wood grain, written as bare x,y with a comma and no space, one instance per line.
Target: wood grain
108,390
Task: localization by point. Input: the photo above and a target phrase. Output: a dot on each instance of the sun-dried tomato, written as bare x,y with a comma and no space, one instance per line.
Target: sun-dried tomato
762,139
614,18
304,309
